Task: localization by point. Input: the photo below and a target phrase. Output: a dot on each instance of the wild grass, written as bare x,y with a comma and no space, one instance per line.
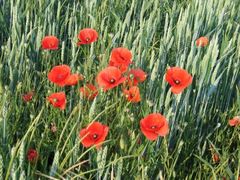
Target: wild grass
159,34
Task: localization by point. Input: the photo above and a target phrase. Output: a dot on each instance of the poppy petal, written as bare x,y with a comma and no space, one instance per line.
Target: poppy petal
94,134
73,79
235,121
177,90
232,122
86,141
103,137
149,135
163,131
109,78
154,125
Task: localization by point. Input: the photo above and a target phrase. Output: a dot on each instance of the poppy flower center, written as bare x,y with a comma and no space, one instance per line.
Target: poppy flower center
131,95
55,99
95,136
153,127
87,39
177,82
112,81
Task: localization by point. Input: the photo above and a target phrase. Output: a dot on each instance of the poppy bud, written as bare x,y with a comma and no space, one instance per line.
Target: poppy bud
53,127
235,121
202,41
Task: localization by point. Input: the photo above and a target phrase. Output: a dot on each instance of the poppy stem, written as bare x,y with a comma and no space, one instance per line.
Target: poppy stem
172,124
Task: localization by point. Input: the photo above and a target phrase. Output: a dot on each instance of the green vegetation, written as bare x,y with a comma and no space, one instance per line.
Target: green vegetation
159,34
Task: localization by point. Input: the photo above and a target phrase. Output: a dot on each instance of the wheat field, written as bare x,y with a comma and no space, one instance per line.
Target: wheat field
160,34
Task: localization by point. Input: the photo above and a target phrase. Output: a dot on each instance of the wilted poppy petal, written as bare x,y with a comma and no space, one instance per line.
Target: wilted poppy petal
28,96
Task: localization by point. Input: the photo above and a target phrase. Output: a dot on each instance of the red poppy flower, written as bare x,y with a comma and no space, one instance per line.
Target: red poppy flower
28,96
235,121
94,134
202,41
154,125
87,36
109,78
121,56
178,78
58,100
59,74
89,91
136,76
133,94
73,79
50,42
32,155
122,67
